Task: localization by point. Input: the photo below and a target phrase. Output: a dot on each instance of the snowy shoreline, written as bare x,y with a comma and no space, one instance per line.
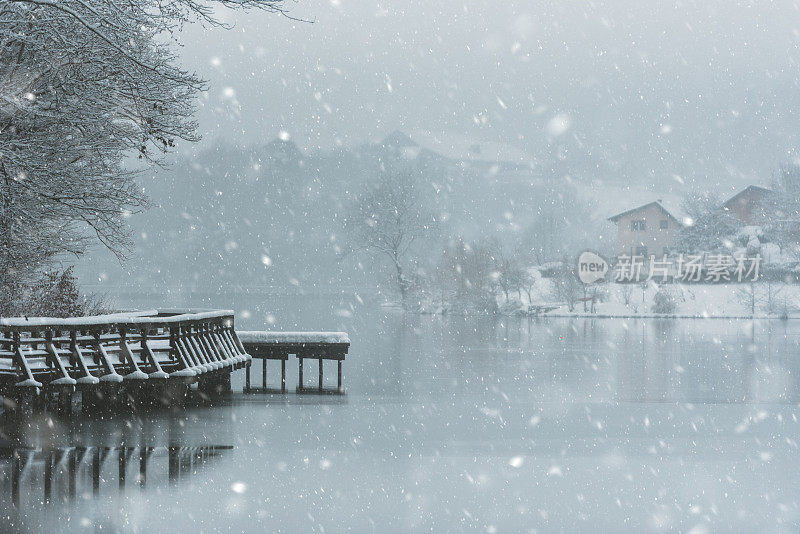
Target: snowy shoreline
587,315
759,301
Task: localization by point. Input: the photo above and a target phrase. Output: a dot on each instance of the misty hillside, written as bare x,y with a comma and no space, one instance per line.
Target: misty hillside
269,217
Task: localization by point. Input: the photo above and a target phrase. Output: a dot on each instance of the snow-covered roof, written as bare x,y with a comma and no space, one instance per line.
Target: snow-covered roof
749,188
675,213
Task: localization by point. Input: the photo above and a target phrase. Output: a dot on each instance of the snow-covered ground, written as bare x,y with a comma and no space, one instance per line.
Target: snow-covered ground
761,300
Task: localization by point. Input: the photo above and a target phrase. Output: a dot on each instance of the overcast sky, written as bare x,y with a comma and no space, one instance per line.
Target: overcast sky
703,92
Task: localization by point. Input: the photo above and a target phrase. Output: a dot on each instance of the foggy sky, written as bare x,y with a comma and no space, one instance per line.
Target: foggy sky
652,92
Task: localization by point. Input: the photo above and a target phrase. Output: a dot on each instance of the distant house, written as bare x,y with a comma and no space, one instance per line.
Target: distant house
749,205
648,230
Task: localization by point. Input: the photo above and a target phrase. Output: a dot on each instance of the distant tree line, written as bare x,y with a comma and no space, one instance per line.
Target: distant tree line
396,219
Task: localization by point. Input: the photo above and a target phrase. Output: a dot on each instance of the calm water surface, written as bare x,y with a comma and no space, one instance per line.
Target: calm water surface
448,424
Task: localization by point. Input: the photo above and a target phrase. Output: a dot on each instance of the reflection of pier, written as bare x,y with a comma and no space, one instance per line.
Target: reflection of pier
64,473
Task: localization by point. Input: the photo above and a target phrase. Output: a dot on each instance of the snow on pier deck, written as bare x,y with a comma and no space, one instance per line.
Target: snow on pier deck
111,354
304,345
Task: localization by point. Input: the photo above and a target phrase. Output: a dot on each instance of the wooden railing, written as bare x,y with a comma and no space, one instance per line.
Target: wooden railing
43,354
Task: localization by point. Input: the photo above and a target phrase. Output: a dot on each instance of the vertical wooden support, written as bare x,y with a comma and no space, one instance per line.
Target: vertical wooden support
173,464
320,374
339,375
264,373
122,466
142,466
283,376
224,385
65,400
300,379
247,379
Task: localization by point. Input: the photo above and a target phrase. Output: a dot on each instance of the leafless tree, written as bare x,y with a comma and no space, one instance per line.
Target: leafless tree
509,274
530,278
388,219
626,290
465,276
83,85
560,224
566,286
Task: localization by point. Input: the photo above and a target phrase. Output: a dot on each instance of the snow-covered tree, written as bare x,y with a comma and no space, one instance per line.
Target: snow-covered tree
710,228
783,206
567,288
664,301
84,85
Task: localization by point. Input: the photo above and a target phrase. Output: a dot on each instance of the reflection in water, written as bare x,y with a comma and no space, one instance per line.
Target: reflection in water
50,475
452,423
602,360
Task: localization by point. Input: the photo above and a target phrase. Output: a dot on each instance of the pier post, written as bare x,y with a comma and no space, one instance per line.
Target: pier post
225,383
174,464
283,376
300,379
39,401
264,373
122,466
339,376
247,378
142,466
320,374
65,400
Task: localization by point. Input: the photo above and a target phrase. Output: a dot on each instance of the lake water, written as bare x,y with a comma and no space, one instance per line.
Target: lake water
448,424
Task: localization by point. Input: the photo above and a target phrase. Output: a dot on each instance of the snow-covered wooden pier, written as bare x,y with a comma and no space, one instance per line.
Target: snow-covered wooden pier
136,357
304,345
